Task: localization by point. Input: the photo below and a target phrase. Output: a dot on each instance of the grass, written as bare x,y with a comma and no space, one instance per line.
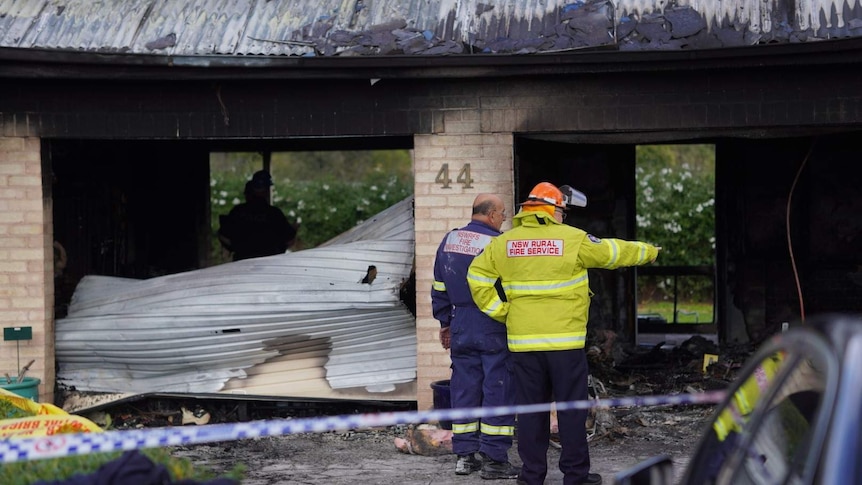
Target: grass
687,311
60,469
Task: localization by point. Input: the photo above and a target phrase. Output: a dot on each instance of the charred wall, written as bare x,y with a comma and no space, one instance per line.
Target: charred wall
815,179
761,119
130,209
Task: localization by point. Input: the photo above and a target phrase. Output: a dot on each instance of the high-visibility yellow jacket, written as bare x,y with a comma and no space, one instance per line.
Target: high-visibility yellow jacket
735,415
534,279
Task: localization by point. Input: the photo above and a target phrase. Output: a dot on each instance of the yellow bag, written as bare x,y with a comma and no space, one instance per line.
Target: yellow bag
47,419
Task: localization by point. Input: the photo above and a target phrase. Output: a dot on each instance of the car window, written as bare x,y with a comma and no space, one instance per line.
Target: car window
763,433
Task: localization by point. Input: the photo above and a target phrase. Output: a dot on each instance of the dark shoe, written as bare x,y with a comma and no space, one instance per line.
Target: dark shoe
467,464
592,479
498,470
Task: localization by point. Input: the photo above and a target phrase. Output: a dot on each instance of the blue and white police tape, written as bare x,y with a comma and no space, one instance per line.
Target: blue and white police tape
12,450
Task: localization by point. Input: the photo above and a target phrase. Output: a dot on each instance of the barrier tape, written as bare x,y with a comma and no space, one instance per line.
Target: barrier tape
12,450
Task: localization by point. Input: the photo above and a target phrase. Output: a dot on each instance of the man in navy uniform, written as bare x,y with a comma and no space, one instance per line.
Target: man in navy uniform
481,371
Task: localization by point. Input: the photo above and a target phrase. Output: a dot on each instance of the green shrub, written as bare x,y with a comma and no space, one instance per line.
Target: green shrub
676,210
332,191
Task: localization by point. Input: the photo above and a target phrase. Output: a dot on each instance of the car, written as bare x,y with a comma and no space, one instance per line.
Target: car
792,415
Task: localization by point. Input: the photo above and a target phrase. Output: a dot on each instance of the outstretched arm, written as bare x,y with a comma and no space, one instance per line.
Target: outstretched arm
612,253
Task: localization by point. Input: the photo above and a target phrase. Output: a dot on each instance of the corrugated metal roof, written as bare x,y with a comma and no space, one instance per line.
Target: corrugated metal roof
412,27
294,325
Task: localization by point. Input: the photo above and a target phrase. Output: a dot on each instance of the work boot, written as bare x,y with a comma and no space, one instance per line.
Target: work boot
592,479
498,470
467,464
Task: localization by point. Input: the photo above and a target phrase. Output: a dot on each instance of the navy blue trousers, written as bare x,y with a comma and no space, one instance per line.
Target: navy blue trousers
542,377
481,377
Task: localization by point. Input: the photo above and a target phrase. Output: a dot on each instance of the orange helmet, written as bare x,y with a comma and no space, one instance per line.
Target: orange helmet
545,193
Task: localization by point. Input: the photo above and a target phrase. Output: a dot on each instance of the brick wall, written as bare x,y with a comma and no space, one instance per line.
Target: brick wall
440,209
26,255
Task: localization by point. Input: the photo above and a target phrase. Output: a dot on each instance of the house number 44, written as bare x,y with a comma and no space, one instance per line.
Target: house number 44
463,177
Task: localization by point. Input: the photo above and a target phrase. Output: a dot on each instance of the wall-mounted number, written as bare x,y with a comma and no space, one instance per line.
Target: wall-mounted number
463,177
443,176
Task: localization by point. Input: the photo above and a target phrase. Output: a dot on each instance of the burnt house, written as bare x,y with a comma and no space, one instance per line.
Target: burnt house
103,105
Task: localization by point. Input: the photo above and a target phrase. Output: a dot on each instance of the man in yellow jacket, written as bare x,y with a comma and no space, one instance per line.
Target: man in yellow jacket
533,278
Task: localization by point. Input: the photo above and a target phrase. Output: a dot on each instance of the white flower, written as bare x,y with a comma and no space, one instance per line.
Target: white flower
325,186
299,220
672,226
365,201
333,209
222,193
383,196
678,187
291,213
213,182
235,201
373,187
221,202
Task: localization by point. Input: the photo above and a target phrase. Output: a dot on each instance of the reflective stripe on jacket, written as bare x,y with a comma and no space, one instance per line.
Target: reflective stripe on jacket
541,265
735,415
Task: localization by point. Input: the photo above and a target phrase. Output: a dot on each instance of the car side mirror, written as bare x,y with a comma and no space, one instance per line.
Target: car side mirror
657,470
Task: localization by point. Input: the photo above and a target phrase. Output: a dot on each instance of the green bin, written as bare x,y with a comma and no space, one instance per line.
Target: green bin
29,387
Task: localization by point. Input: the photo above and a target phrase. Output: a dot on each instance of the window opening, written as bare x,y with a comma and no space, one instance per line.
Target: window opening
675,210
322,193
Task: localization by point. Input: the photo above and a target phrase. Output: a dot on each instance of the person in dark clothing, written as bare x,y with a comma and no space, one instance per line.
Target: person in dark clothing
255,228
481,369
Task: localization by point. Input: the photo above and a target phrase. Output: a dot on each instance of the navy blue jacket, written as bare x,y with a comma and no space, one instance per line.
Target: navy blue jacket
454,256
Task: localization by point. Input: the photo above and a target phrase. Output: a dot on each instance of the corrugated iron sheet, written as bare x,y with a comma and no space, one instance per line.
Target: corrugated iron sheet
294,325
418,27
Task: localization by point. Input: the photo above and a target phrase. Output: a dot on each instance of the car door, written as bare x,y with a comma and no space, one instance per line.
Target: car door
773,424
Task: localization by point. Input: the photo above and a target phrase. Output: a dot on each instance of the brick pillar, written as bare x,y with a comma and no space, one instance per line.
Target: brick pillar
26,258
440,209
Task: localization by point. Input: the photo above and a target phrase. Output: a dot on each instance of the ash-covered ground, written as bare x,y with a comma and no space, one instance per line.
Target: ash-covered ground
620,436
371,457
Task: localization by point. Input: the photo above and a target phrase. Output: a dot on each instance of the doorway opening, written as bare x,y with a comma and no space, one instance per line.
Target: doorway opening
675,189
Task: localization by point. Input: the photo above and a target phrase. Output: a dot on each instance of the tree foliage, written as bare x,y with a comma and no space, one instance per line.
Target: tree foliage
676,201
676,210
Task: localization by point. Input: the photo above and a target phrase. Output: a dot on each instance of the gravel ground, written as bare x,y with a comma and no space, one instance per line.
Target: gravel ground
370,456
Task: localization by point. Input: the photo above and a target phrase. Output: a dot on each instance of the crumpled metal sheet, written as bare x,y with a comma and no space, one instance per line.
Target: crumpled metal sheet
297,324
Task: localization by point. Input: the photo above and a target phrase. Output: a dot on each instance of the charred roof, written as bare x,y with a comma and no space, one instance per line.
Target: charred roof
76,38
415,27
